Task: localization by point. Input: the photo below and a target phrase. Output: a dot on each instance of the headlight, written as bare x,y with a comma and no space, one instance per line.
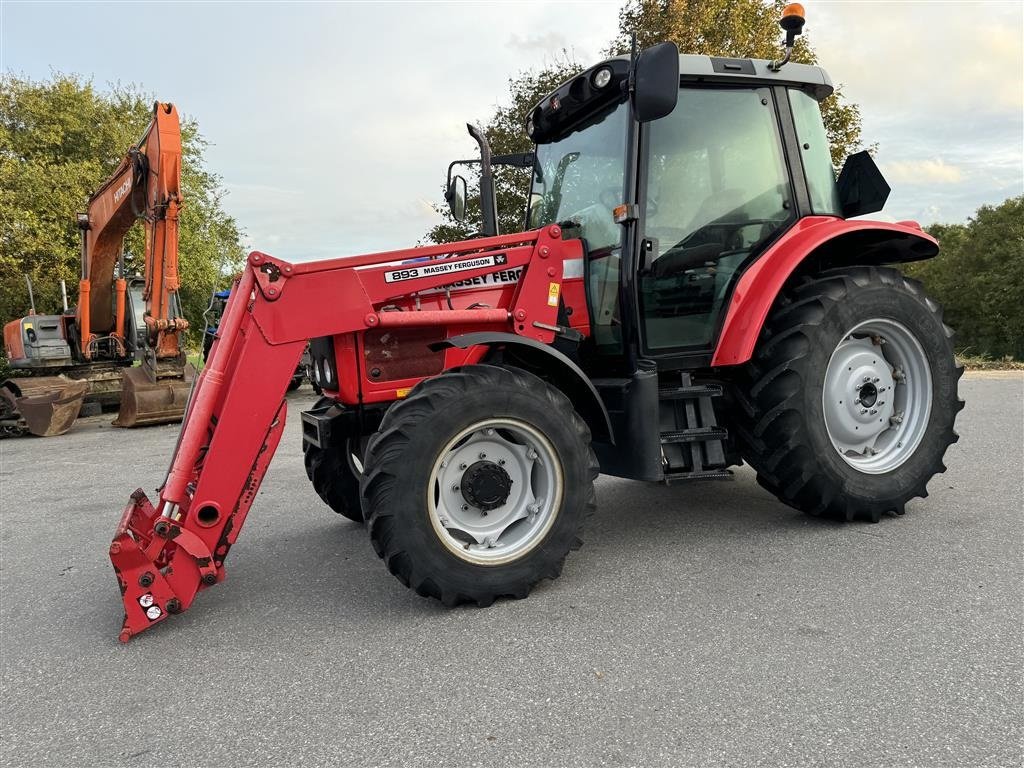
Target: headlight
602,77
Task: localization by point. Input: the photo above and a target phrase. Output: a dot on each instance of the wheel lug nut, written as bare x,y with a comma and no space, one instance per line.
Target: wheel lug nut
501,462
863,410
482,455
465,507
867,379
456,488
462,466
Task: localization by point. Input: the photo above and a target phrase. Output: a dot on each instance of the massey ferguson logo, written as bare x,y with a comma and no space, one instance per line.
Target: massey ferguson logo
123,189
444,268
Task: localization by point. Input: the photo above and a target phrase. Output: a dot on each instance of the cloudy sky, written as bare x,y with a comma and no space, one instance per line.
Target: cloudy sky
332,123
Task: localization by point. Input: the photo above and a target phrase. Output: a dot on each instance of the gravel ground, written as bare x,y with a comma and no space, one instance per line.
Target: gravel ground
703,625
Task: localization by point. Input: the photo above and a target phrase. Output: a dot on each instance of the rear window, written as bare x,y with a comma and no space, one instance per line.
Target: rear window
817,159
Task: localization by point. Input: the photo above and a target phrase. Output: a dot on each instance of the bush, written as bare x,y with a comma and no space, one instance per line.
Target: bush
978,277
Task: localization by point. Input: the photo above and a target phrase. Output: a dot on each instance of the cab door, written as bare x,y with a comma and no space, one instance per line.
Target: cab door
716,192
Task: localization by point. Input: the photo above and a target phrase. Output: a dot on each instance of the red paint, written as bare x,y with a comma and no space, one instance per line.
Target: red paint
761,282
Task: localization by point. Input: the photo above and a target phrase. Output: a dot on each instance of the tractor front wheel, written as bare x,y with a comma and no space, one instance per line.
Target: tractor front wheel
335,473
477,485
850,399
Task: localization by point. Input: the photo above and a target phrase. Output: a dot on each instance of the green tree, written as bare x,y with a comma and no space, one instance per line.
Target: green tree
506,133
977,278
737,28
59,139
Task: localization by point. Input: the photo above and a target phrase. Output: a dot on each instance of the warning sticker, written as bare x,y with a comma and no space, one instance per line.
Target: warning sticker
414,271
553,291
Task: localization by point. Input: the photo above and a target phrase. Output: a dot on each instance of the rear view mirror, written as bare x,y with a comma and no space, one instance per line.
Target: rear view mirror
861,186
657,82
456,197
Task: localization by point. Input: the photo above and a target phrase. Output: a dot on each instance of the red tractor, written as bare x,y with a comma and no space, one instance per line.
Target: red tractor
692,292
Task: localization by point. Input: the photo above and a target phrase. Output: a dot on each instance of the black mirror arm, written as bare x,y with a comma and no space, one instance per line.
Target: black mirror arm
516,159
451,166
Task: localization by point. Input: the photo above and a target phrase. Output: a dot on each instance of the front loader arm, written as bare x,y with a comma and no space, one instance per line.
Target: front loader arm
165,554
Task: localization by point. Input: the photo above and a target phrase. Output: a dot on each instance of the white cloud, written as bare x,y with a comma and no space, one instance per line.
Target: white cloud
934,56
333,123
923,172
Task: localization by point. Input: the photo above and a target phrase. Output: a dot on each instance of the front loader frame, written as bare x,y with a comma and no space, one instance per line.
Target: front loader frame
164,554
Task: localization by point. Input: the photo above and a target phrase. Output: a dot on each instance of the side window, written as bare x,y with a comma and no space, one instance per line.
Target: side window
817,159
717,192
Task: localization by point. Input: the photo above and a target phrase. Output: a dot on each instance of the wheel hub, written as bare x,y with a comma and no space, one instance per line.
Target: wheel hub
494,491
486,486
877,395
858,392
868,395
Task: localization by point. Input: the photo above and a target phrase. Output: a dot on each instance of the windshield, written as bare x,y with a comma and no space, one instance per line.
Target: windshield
577,180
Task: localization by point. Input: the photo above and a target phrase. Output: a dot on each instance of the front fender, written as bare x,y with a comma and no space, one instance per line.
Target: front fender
820,242
559,369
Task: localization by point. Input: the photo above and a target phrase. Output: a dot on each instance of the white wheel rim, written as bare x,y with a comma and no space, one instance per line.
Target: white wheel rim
876,396
516,451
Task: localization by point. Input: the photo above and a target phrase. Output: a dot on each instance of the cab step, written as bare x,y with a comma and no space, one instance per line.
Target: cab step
686,392
695,435
671,478
692,442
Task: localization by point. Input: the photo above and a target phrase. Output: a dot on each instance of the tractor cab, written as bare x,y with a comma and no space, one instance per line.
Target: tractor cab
674,209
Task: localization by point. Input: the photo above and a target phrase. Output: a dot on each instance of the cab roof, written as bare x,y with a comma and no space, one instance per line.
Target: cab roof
697,68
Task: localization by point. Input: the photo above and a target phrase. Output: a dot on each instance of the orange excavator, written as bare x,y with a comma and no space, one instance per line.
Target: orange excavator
89,354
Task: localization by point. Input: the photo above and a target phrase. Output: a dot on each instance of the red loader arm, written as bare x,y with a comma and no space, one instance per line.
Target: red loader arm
165,554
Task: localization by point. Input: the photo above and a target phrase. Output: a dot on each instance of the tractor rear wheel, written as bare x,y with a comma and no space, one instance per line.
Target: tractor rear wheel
335,473
477,484
849,402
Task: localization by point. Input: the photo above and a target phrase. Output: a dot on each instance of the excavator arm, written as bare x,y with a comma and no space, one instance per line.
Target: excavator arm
164,554
146,185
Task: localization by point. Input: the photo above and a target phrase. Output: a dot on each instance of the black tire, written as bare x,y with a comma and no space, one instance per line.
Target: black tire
400,459
781,424
334,476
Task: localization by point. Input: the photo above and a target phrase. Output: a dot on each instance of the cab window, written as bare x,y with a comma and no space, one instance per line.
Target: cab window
817,159
717,193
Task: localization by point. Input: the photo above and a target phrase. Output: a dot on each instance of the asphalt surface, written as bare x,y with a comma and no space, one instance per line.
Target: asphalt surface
703,625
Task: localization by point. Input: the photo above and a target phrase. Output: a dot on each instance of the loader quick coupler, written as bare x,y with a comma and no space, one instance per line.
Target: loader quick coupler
140,553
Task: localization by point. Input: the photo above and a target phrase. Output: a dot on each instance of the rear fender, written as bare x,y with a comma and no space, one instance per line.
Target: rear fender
556,368
814,243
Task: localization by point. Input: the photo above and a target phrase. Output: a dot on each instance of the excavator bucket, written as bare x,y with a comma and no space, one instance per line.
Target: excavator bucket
41,405
144,401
